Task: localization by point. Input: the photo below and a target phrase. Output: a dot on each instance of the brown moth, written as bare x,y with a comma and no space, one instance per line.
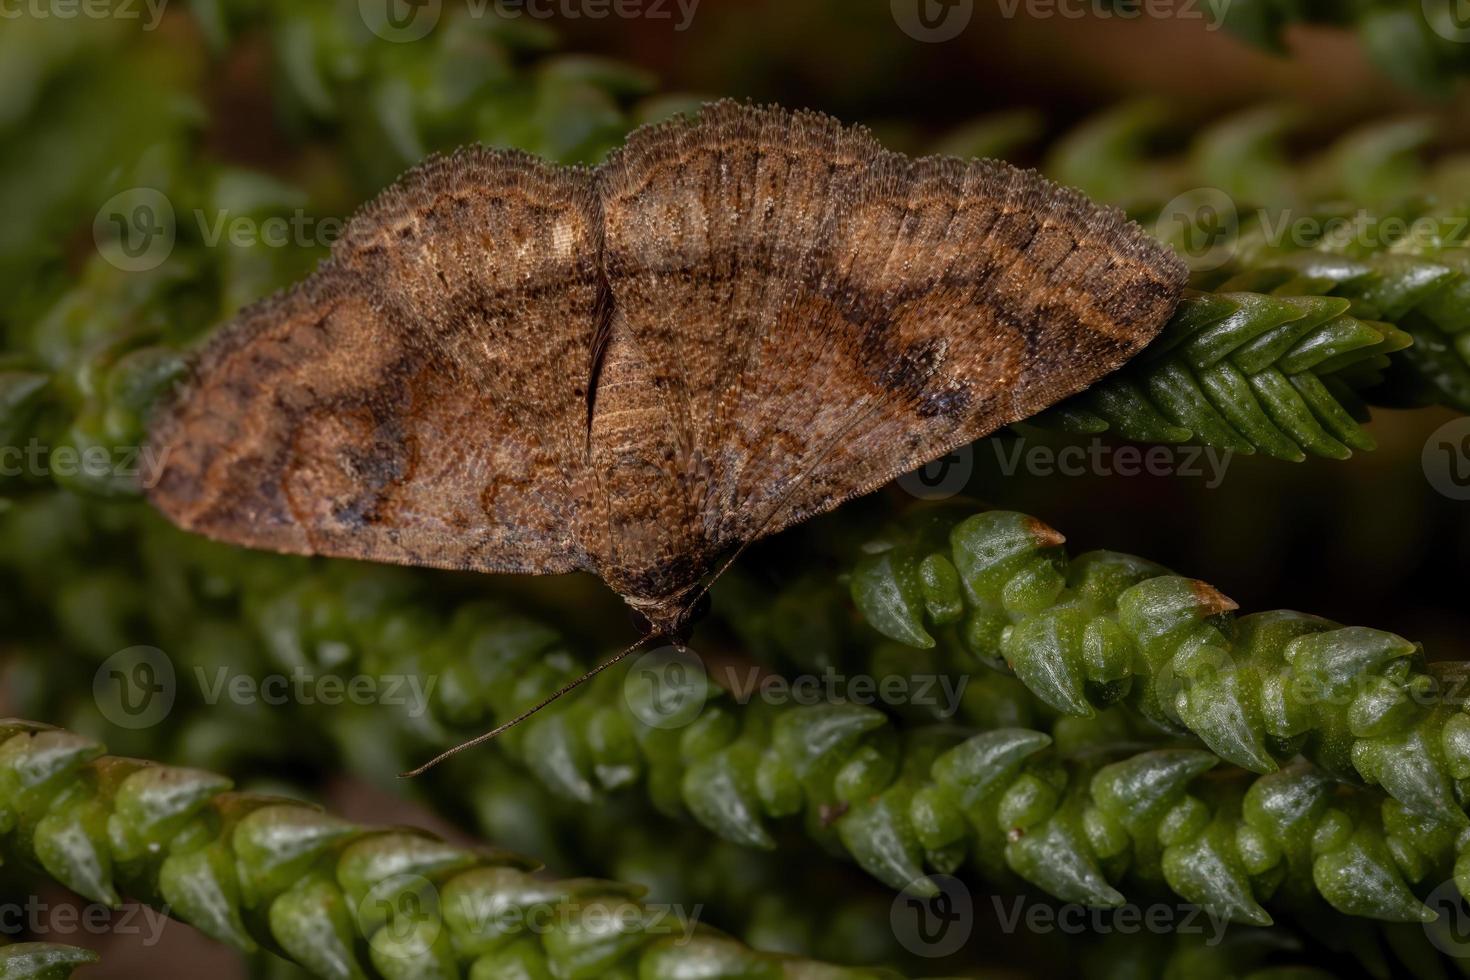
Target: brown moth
737,322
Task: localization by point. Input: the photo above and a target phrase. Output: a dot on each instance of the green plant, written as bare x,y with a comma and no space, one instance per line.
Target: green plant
1377,219
1075,770
901,802
41,961
333,895
1419,45
1109,628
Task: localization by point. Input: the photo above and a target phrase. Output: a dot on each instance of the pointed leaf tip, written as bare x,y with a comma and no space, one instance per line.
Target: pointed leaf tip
1044,534
1213,600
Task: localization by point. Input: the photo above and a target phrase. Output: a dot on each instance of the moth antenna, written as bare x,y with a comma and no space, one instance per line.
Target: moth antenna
501,729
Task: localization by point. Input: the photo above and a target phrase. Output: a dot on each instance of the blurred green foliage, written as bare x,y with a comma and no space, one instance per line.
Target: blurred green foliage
1420,44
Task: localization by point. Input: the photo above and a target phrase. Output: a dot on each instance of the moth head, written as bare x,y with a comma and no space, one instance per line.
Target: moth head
673,616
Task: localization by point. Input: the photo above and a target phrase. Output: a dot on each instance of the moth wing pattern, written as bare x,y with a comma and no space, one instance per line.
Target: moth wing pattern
421,399
822,315
738,322
702,224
